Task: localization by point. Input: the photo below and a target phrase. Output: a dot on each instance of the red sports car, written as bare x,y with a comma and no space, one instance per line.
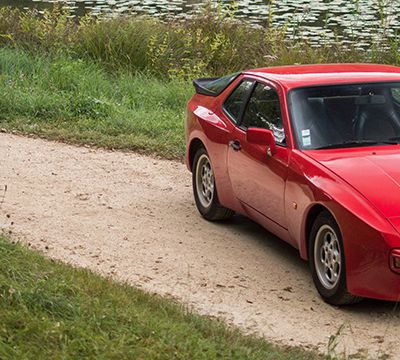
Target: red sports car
312,154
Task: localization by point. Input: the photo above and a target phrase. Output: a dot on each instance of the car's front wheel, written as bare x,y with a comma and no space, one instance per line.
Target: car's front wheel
204,189
327,261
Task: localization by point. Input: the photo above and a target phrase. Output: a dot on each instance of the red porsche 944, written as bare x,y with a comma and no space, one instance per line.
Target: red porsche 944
312,154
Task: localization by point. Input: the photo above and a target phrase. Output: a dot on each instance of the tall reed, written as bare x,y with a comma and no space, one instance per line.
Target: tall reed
212,43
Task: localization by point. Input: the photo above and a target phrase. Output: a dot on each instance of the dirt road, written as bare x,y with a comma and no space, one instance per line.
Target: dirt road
133,217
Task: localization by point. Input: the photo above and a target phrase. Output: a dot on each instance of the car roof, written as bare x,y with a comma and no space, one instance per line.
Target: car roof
294,76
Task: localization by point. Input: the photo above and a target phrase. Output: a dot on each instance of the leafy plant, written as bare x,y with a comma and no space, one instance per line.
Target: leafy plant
210,44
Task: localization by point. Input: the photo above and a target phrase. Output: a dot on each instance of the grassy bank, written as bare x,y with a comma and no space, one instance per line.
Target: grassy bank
51,310
122,83
213,43
74,100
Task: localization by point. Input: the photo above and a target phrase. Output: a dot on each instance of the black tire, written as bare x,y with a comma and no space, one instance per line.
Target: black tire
208,206
325,249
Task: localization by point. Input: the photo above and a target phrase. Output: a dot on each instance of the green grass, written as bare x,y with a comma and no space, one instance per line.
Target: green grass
49,310
212,43
79,102
123,83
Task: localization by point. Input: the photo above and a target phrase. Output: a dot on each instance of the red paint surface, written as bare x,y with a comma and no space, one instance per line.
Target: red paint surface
359,186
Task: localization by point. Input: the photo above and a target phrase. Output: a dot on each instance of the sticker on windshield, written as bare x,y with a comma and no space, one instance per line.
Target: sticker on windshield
306,137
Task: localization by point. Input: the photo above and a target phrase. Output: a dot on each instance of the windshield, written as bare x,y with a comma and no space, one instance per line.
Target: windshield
346,115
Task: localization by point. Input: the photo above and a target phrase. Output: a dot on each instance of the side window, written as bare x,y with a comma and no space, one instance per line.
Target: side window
396,94
233,104
264,111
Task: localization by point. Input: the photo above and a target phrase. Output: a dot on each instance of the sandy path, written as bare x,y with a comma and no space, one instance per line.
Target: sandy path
133,217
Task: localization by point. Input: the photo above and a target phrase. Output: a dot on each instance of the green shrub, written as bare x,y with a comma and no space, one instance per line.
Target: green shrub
213,43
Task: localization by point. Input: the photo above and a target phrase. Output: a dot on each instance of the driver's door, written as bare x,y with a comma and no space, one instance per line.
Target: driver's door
258,179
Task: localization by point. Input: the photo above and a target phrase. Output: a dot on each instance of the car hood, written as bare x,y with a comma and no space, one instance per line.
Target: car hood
373,173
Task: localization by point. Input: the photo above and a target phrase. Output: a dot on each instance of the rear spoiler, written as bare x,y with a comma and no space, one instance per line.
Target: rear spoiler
215,85
201,86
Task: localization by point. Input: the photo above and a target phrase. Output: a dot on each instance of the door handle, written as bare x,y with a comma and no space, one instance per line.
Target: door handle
235,145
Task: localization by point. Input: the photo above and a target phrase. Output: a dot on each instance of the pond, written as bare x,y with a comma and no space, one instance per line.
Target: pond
346,21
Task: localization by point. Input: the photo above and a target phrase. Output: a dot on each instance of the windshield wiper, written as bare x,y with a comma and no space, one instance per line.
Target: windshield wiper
355,143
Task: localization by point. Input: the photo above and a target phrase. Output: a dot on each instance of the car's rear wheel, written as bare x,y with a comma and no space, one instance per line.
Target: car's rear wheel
204,189
327,261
